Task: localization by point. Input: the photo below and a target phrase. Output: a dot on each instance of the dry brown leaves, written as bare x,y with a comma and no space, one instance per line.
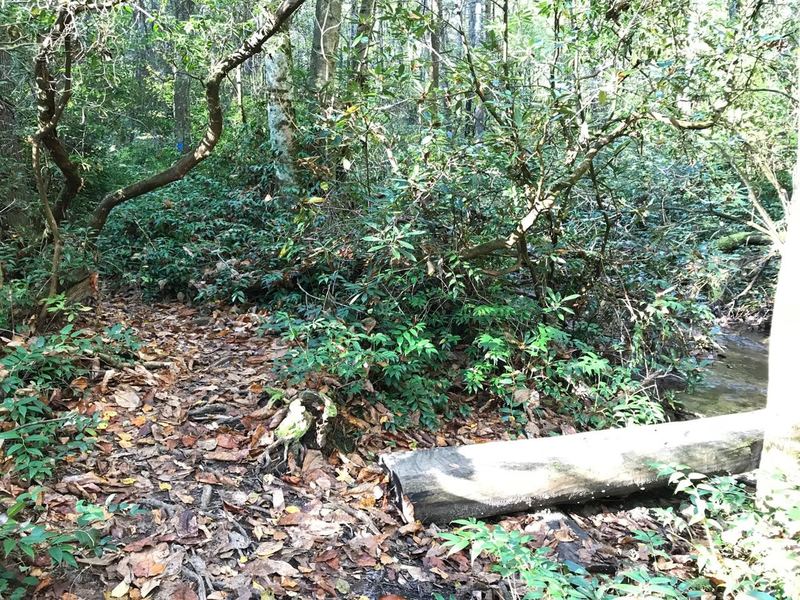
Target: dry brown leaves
183,429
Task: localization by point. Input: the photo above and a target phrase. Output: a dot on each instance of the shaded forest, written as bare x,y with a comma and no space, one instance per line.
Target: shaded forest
248,249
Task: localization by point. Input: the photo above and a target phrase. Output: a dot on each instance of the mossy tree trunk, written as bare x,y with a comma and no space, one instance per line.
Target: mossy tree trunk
280,113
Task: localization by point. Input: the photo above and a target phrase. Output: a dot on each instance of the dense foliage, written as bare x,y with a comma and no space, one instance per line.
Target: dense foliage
443,204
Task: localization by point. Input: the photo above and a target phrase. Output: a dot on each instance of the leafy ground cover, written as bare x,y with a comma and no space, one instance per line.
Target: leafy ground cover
190,512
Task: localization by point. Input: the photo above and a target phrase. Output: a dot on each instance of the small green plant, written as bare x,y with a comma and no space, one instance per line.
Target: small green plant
61,306
393,364
654,542
393,241
122,339
24,542
749,549
532,573
34,444
36,438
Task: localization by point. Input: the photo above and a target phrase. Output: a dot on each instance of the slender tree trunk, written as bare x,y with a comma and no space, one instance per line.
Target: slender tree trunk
436,45
327,21
52,227
182,92
366,24
475,32
240,94
280,115
10,202
142,58
473,20
488,16
49,113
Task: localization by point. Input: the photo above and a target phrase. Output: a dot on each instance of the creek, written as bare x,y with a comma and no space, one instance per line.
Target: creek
735,381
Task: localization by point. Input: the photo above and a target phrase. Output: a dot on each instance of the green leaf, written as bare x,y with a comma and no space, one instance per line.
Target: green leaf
9,545
27,549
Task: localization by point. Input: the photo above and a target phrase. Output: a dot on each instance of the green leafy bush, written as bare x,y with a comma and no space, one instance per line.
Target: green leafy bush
411,341
748,548
29,373
200,240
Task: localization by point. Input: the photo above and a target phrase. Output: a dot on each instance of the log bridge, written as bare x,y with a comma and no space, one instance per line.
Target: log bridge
482,480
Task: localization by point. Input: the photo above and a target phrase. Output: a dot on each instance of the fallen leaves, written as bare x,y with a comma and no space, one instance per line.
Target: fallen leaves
127,397
180,437
267,566
228,455
183,592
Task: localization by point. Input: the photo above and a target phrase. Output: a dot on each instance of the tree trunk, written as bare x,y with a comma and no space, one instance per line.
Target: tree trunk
280,115
181,98
50,105
366,24
327,20
475,30
474,22
142,58
240,94
780,464
14,184
436,46
504,477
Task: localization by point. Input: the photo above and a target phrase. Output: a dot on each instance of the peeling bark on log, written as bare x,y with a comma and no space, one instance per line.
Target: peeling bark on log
482,480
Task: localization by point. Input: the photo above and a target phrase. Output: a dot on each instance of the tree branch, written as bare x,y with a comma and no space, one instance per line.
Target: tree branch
179,169
552,194
50,111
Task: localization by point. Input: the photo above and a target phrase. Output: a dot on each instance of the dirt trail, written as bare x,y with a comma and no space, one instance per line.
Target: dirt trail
186,425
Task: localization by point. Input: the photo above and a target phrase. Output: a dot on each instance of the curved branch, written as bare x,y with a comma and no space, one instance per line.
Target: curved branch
552,194
684,123
180,168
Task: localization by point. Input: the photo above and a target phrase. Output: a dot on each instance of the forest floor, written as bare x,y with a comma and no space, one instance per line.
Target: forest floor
186,425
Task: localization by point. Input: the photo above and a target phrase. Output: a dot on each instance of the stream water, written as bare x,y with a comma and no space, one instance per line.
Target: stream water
737,379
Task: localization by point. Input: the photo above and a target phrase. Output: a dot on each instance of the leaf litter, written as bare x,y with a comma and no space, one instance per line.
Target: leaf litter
185,426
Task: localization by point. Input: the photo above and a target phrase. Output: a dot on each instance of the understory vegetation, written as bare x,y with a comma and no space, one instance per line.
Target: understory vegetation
41,382
541,207
741,551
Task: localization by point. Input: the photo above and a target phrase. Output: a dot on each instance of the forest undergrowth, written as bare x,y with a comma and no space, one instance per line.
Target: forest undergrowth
177,404
444,222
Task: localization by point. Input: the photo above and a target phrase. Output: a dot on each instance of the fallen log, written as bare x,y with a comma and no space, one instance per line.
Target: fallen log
734,241
482,480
